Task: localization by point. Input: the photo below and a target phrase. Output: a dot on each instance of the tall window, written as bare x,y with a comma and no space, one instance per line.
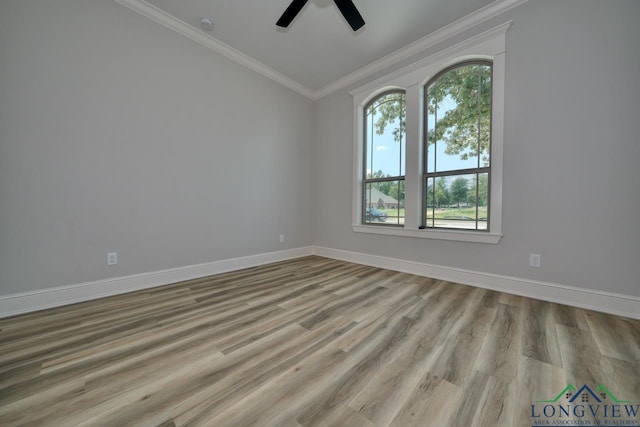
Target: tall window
384,159
457,147
444,118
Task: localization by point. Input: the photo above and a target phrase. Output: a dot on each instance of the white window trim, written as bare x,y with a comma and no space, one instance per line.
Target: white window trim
489,45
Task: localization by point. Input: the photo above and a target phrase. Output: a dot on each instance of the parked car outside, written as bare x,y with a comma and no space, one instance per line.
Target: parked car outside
372,215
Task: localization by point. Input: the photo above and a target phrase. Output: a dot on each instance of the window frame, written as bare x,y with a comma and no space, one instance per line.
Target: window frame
426,175
365,180
489,45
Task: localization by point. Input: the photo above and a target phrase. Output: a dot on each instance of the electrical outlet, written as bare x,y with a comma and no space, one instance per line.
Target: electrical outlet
534,260
282,238
112,258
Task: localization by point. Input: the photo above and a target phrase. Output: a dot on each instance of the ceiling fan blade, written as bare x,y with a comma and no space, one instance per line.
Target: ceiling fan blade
350,13
294,8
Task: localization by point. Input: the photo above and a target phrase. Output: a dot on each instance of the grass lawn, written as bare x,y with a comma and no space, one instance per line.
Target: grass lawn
393,212
443,213
469,212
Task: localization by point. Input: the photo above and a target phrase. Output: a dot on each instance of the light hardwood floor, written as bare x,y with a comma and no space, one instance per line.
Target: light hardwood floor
311,341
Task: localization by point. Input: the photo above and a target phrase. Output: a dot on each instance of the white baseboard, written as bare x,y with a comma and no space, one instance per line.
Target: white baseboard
607,302
623,305
47,298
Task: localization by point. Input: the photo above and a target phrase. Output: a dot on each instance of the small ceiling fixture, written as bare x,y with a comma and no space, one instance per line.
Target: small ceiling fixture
206,24
347,8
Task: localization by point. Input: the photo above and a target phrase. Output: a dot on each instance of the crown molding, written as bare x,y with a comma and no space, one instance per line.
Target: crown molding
161,17
485,36
457,27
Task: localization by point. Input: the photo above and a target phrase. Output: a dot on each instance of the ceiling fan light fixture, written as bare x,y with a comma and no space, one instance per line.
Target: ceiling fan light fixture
346,7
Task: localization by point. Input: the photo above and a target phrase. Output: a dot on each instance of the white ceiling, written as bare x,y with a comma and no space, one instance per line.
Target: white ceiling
319,48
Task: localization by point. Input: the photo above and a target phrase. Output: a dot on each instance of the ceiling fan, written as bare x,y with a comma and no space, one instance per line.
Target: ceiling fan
347,8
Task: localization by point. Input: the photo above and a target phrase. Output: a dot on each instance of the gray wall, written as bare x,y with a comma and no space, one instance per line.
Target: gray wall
117,134
572,148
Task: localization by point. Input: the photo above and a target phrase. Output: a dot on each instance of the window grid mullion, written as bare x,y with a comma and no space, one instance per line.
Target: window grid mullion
458,172
435,154
479,106
385,179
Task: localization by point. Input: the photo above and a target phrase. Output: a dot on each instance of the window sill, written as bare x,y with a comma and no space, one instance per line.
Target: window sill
460,236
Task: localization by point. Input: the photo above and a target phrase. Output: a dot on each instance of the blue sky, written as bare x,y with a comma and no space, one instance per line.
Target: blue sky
386,151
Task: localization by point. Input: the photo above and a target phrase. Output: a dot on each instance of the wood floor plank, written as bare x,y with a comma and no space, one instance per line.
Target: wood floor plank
501,350
433,401
475,393
463,343
102,390
569,316
345,416
618,339
371,355
278,399
582,359
307,342
219,396
622,376
540,338
151,406
536,381
384,395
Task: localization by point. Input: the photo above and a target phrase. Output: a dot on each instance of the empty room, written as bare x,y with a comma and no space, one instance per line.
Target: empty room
319,213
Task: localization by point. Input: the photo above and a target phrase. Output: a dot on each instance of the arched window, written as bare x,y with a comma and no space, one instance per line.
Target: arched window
384,159
428,154
457,147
